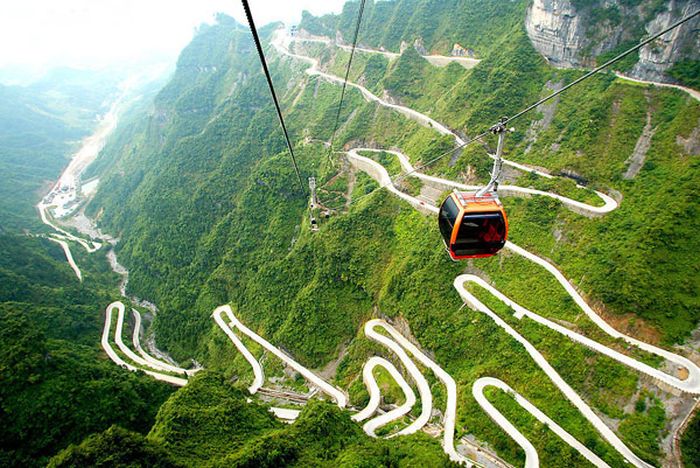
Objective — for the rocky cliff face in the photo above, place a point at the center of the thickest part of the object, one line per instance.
(556, 31)
(683, 42)
(572, 33)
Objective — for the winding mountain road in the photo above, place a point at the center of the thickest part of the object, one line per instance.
(691, 92)
(258, 373)
(90, 246)
(177, 381)
(531, 457)
(690, 385)
(397, 346)
(449, 419)
(560, 383)
(379, 173)
(437, 60)
(149, 360)
(338, 395)
(375, 396)
(609, 204)
(69, 256)
(406, 351)
(281, 43)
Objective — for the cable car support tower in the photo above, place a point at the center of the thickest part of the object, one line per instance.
(313, 203)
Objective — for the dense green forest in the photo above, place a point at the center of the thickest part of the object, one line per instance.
(198, 187)
(209, 423)
(56, 385)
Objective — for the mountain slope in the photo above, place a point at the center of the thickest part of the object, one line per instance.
(205, 204)
(56, 386)
(189, 431)
(40, 126)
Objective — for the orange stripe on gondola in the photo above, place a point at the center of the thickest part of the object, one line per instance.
(470, 205)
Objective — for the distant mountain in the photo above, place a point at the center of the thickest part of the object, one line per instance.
(41, 125)
(35, 142)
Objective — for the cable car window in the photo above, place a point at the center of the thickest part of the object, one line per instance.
(480, 233)
(446, 220)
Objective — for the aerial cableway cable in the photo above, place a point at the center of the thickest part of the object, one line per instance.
(347, 74)
(258, 45)
(507, 120)
(605, 65)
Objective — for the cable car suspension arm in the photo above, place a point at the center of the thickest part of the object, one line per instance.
(500, 130)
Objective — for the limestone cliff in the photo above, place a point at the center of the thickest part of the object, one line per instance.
(683, 42)
(572, 33)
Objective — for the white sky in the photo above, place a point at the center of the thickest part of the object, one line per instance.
(96, 33)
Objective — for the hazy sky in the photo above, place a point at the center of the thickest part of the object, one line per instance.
(94, 33)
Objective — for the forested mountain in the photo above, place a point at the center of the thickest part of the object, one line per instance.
(56, 387)
(34, 144)
(568, 33)
(199, 189)
(210, 423)
(40, 125)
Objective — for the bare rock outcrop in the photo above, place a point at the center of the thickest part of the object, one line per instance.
(569, 37)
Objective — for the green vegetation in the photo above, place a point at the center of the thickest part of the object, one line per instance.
(474, 24)
(606, 134)
(641, 429)
(209, 423)
(687, 72)
(325, 436)
(114, 447)
(690, 443)
(56, 386)
(33, 149)
(208, 419)
(40, 126)
(626, 63)
(201, 193)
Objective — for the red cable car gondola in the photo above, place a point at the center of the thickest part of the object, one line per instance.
(474, 224)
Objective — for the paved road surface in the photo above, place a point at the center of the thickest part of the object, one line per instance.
(150, 360)
(180, 382)
(609, 204)
(258, 373)
(450, 385)
(531, 457)
(281, 43)
(437, 60)
(693, 93)
(375, 396)
(69, 257)
(560, 383)
(398, 347)
(338, 395)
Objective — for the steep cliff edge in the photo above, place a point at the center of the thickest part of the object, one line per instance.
(573, 33)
